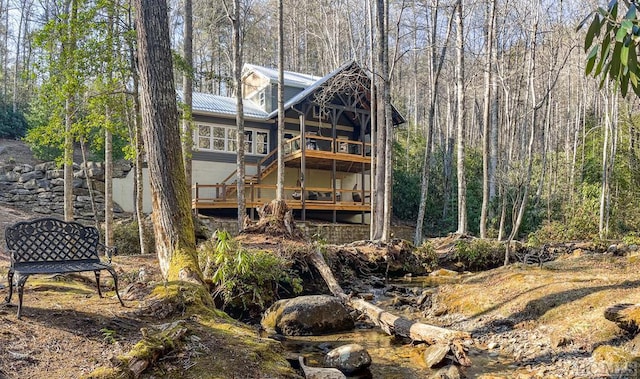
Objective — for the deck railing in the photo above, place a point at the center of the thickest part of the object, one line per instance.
(263, 193)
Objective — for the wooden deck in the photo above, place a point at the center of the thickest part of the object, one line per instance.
(220, 196)
(322, 153)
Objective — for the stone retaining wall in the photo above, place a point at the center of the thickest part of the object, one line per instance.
(40, 188)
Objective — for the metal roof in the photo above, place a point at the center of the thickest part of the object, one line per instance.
(223, 105)
(292, 79)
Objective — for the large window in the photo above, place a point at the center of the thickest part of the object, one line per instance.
(225, 138)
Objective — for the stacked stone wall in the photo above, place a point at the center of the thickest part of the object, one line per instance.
(40, 188)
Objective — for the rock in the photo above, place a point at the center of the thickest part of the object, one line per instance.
(30, 184)
(626, 316)
(28, 176)
(444, 272)
(449, 372)
(614, 358)
(434, 354)
(422, 300)
(11, 176)
(559, 340)
(348, 358)
(55, 174)
(492, 345)
(320, 372)
(308, 315)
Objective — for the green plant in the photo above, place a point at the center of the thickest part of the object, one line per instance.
(631, 238)
(108, 335)
(126, 238)
(245, 279)
(426, 253)
(479, 254)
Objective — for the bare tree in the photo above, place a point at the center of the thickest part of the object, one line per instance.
(460, 97)
(234, 17)
(486, 119)
(280, 174)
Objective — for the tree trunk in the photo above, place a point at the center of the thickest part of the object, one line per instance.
(378, 213)
(531, 64)
(486, 152)
(187, 90)
(436, 69)
(108, 183)
(462, 184)
(172, 221)
(374, 120)
(69, 110)
(281, 115)
(388, 126)
(237, 77)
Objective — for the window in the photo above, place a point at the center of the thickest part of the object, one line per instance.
(218, 138)
(262, 142)
(261, 98)
(223, 138)
(204, 137)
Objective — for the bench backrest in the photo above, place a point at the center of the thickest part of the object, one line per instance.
(50, 240)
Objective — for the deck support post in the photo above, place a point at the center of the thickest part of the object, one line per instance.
(303, 165)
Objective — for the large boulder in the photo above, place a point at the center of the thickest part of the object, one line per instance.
(307, 315)
(348, 358)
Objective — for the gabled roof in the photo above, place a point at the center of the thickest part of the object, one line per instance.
(397, 117)
(226, 106)
(293, 79)
(223, 105)
(311, 88)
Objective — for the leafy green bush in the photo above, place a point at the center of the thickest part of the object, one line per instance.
(126, 238)
(479, 254)
(245, 280)
(12, 124)
(427, 255)
(632, 238)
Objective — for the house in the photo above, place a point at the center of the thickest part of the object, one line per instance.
(327, 151)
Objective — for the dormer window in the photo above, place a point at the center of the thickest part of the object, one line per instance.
(261, 98)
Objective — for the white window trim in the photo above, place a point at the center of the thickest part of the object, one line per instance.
(254, 141)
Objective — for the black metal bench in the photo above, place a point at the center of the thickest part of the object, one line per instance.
(52, 246)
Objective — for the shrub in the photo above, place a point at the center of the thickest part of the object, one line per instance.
(426, 253)
(245, 280)
(479, 254)
(127, 238)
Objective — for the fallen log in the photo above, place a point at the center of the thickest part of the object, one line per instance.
(392, 324)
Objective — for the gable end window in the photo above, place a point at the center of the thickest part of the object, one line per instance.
(224, 139)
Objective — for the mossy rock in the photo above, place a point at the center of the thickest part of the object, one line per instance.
(626, 316)
(616, 360)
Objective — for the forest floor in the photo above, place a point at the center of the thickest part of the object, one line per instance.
(547, 321)
(68, 331)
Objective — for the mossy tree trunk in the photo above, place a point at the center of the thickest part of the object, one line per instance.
(172, 222)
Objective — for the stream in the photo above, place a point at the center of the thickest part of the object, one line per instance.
(393, 358)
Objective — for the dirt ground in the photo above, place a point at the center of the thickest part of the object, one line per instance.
(68, 331)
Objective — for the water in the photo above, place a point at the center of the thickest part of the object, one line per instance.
(393, 358)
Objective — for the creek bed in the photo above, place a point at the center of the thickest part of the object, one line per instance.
(392, 357)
